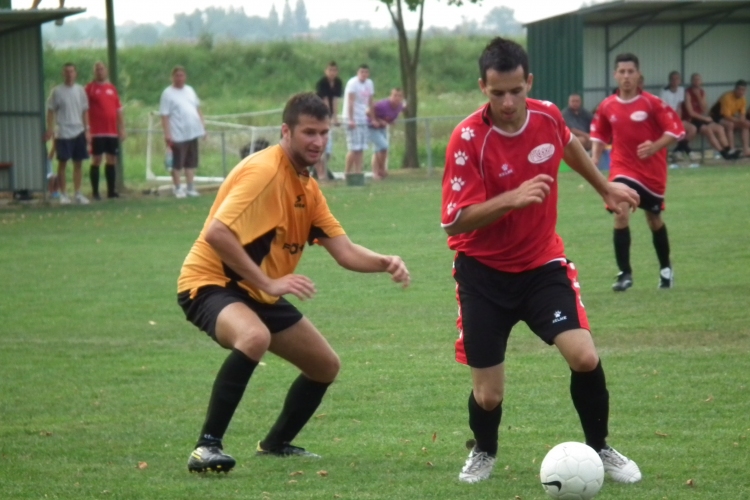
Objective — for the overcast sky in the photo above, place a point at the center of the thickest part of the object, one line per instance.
(320, 12)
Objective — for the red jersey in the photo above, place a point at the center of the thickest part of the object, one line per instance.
(627, 124)
(482, 162)
(695, 96)
(104, 104)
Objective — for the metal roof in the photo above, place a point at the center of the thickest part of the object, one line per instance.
(12, 20)
(633, 12)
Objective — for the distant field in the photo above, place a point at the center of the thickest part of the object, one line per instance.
(104, 384)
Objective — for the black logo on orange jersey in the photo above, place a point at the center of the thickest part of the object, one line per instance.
(293, 248)
(300, 202)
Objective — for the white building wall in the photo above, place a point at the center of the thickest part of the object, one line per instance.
(722, 56)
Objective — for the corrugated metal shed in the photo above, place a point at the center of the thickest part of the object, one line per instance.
(22, 100)
(710, 37)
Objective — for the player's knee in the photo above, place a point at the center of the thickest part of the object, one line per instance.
(488, 399)
(253, 343)
(584, 361)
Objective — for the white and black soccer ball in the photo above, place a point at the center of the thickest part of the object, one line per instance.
(572, 471)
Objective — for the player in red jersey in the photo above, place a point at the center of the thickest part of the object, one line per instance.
(640, 127)
(500, 210)
(107, 129)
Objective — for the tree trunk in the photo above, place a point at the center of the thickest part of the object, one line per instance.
(409, 61)
(411, 151)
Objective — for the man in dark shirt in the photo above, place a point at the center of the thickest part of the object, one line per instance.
(578, 120)
(330, 89)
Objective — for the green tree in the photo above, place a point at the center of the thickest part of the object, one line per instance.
(287, 27)
(409, 62)
(300, 18)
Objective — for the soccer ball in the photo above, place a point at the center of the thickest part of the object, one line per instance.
(572, 471)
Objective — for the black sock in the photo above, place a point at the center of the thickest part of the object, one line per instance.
(227, 392)
(301, 401)
(622, 249)
(591, 400)
(94, 178)
(109, 174)
(485, 425)
(661, 244)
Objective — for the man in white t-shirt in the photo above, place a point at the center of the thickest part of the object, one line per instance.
(357, 107)
(183, 124)
(674, 95)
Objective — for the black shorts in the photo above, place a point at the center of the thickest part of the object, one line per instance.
(105, 145)
(697, 124)
(491, 302)
(204, 309)
(185, 154)
(72, 149)
(650, 202)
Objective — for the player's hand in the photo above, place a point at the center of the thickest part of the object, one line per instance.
(352, 125)
(300, 286)
(646, 149)
(397, 269)
(88, 137)
(168, 141)
(619, 196)
(532, 191)
(49, 134)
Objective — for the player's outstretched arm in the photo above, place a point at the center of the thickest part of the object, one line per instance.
(230, 251)
(357, 258)
(614, 194)
(483, 214)
(649, 148)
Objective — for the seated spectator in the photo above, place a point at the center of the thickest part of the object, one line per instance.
(730, 112)
(695, 110)
(674, 95)
(578, 120)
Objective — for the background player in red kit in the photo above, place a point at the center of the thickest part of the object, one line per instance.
(500, 210)
(640, 126)
(107, 129)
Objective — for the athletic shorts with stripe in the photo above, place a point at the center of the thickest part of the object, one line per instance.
(203, 309)
(491, 302)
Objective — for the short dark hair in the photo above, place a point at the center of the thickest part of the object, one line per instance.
(69, 65)
(627, 57)
(178, 68)
(332, 64)
(304, 103)
(503, 55)
(740, 83)
(363, 66)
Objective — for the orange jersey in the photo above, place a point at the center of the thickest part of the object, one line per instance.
(273, 211)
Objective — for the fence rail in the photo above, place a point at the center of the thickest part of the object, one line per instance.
(220, 149)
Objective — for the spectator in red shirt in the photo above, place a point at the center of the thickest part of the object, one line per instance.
(640, 127)
(500, 210)
(695, 110)
(107, 129)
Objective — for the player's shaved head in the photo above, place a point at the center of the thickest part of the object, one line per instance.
(503, 56)
(305, 103)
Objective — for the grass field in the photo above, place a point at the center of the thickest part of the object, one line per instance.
(104, 385)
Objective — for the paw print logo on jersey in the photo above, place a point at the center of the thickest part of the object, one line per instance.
(461, 158)
(457, 183)
(467, 133)
(451, 208)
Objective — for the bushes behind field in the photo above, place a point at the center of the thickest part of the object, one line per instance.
(270, 72)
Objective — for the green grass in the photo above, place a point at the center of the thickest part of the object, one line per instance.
(99, 370)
